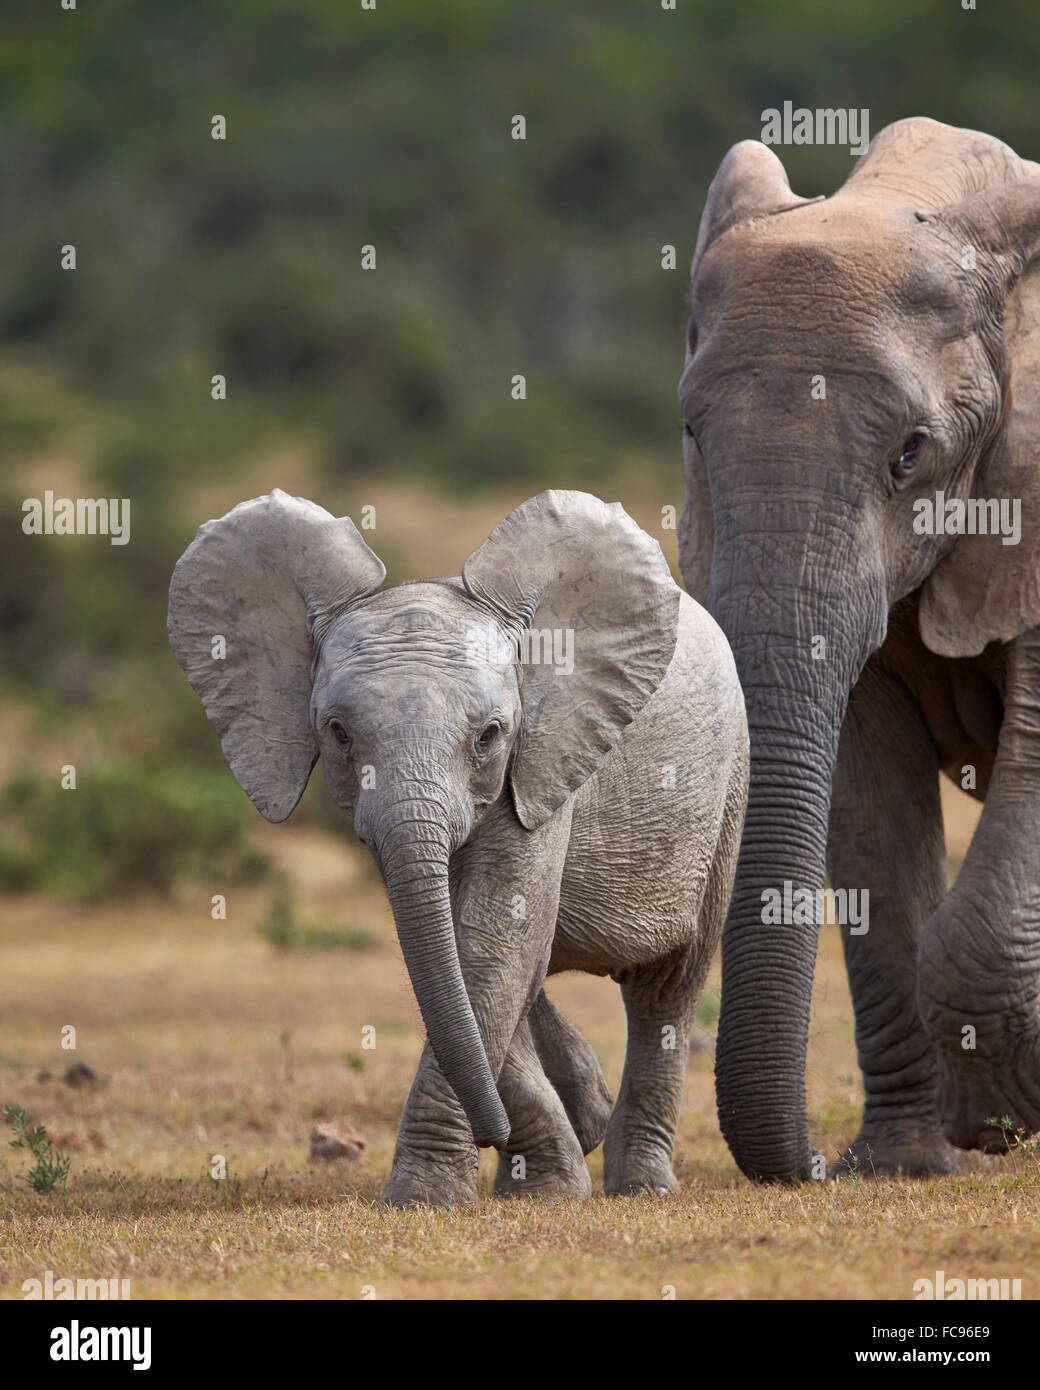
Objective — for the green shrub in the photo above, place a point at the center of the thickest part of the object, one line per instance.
(51, 1167)
(285, 932)
(122, 829)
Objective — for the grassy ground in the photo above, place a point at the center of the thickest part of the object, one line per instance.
(211, 1042)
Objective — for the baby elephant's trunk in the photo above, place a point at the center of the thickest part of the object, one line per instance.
(413, 857)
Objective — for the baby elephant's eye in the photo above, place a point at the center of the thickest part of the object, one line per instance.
(484, 741)
(340, 734)
(905, 463)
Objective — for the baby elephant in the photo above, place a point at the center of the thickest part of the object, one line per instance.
(548, 758)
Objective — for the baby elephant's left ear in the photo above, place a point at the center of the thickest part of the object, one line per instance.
(591, 596)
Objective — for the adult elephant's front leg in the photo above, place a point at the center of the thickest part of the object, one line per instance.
(505, 891)
(979, 959)
(886, 838)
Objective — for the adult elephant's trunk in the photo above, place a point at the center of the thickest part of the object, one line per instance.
(799, 643)
(412, 852)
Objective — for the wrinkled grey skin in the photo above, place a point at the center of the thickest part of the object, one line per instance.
(796, 526)
(525, 820)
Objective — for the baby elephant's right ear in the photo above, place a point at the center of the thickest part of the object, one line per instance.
(249, 599)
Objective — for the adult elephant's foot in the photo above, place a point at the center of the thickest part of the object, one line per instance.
(909, 1156)
(983, 1107)
(983, 1021)
(423, 1182)
(990, 1106)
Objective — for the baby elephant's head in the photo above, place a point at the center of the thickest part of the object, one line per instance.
(424, 700)
(416, 709)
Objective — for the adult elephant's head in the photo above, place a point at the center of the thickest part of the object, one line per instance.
(847, 358)
(424, 699)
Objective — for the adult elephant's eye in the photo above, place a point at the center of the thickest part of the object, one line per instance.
(904, 465)
(484, 741)
(339, 733)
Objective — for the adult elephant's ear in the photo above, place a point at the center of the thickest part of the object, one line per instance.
(984, 590)
(750, 183)
(250, 599)
(569, 566)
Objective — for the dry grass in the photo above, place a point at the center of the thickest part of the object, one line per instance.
(187, 1019)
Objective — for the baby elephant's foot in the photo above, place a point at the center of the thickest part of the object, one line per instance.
(421, 1182)
(629, 1177)
(637, 1159)
(559, 1174)
(910, 1156)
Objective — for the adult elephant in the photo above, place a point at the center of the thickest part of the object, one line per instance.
(848, 358)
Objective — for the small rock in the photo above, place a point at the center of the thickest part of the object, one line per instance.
(328, 1143)
(79, 1074)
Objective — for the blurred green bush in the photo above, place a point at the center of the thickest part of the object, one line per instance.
(124, 829)
(283, 929)
(391, 128)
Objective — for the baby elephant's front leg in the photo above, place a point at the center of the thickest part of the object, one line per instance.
(505, 897)
(544, 1157)
(435, 1159)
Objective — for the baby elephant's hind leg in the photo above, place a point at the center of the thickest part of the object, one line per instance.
(543, 1157)
(571, 1066)
(659, 1000)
